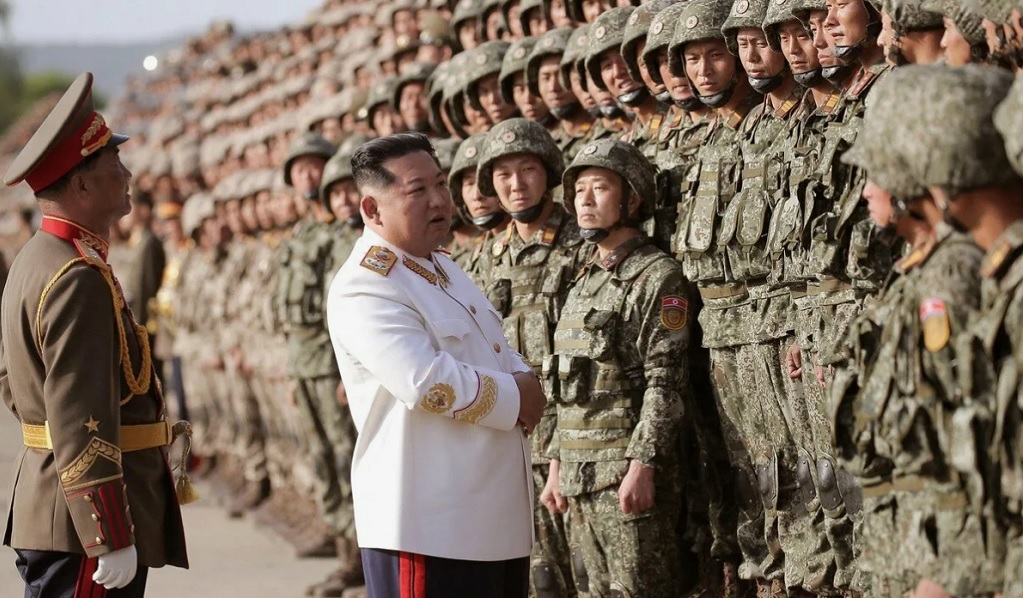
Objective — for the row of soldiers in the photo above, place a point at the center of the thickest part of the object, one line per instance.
(690, 444)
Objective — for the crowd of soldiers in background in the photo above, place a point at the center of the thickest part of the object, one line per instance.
(825, 389)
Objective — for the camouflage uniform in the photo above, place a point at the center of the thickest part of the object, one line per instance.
(619, 380)
(477, 265)
(528, 285)
(555, 43)
(725, 317)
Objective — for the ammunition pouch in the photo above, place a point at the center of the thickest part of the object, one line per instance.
(767, 483)
(582, 578)
(804, 480)
(547, 581)
(827, 479)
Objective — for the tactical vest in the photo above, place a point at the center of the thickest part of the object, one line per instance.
(300, 289)
(675, 152)
(599, 398)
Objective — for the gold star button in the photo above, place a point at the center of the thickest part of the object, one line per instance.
(92, 425)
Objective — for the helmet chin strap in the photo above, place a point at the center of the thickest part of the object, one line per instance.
(765, 85)
(635, 98)
(490, 221)
(530, 215)
(664, 98)
(612, 111)
(690, 104)
(836, 74)
(596, 235)
(808, 78)
(595, 111)
(566, 112)
(721, 98)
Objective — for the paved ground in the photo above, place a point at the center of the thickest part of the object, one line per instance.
(229, 557)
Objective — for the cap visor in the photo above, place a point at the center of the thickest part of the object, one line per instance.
(116, 140)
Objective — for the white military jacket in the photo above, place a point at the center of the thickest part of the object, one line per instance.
(441, 466)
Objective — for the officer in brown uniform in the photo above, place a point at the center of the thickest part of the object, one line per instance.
(93, 503)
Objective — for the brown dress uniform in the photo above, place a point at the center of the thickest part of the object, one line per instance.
(76, 370)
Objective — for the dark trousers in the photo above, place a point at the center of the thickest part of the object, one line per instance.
(63, 575)
(392, 574)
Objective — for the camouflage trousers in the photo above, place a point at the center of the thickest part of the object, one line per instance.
(249, 448)
(331, 434)
(550, 569)
(1013, 587)
(627, 556)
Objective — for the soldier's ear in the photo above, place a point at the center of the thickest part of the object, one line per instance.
(634, 203)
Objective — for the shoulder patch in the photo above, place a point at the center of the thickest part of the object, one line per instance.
(674, 312)
(935, 325)
(379, 260)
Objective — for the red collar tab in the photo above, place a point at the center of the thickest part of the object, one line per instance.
(71, 232)
(93, 135)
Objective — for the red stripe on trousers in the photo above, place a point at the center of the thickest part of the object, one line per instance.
(412, 575)
(85, 587)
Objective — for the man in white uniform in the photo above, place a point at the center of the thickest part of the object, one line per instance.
(441, 473)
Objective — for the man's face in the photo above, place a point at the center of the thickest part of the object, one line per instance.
(549, 82)
(879, 204)
(233, 217)
(616, 75)
(520, 181)
(405, 24)
(797, 47)
(467, 35)
(265, 208)
(306, 173)
(537, 23)
(598, 198)
(249, 218)
(412, 105)
(384, 119)
(489, 91)
(344, 199)
(559, 14)
(957, 49)
(106, 183)
(709, 66)
(514, 21)
(759, 60)
(821, 39)
(531, 107)
(284, 209)
(580, 94)
(593, 8)
(644, 73)
(331, 130)
(414, 212)
(678, 87)
(477, 204)
(479, 122)
(847, 21)
(493, 25)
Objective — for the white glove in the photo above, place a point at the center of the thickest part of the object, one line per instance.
(116, 569)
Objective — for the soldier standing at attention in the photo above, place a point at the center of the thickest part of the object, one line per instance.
(93, 505)
(619, 379)
(485, 213)
(532, 266)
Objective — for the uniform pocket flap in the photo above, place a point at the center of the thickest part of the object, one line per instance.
(450, 328)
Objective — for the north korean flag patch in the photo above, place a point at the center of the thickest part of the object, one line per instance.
(674, 312)
(935, 325)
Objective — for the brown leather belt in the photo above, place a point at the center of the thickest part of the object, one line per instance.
(724, 292)
(827, 286)
(133, 438)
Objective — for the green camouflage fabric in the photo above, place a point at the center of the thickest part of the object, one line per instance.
(901, 425)
(337, 169)
(486, 62)
(1009, 122)
(620, 158)
(528, 283)
(662, 30)
(996, 11)
(996, 340)
(307, 144)
(435, 94)
(620, 385)
(973, 155)
(552, 43)
(574, 56)
(466, 10)
(451, 99)
(968, 23)
(606, 33)
(515, 61)
(744, 14)
(909, 15)
(636, 29)
(415, 72)
(802, 8)
(519, 136)
(445, 150)
(701, 19)
(778, 12)
(382, 93)
(467, 157)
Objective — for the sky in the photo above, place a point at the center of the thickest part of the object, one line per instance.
(113, 21)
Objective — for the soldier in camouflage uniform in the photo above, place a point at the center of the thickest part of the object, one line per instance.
(306, 264)
(515, 89)
(534, 21)
(619, 381)
(485, 213)
(963, 41)
(465, 22)
(464, 111)
(482, 87)
(909, 33)
(409, 99)
(902, 422)
(532, 265)
(725, 317)
(379, 110)
(608, 71)
(543, 74)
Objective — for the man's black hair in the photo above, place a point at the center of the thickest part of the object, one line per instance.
(368, 161)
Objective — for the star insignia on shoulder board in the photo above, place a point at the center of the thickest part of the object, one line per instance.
(92, 425)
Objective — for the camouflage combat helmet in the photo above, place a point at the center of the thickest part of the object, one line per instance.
(455, 88)
(519, 136)
(909, 15)
(606, 33)
(527, 7)
(466, 11)
(700, 20)
(489, 8)
(416, 72)
(486, 61)
(381, 94)
(969, 24)
(743, 14)
(637, 29)
(435, 30)
(515, 62)
(307, 144)
(662, 30)
(996, 11)
(435, 94)
(467, 157)
(552, 43)
(950, 138)
(575, 56)
(445, 150)
(337, 169)
(1009, 122)
(625, 160)
(801, 9)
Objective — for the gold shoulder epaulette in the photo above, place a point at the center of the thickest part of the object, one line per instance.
(910, 261)
(379, 260)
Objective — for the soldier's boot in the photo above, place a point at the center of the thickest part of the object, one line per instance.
(774, 588)
(348, 575)
(251, 497)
